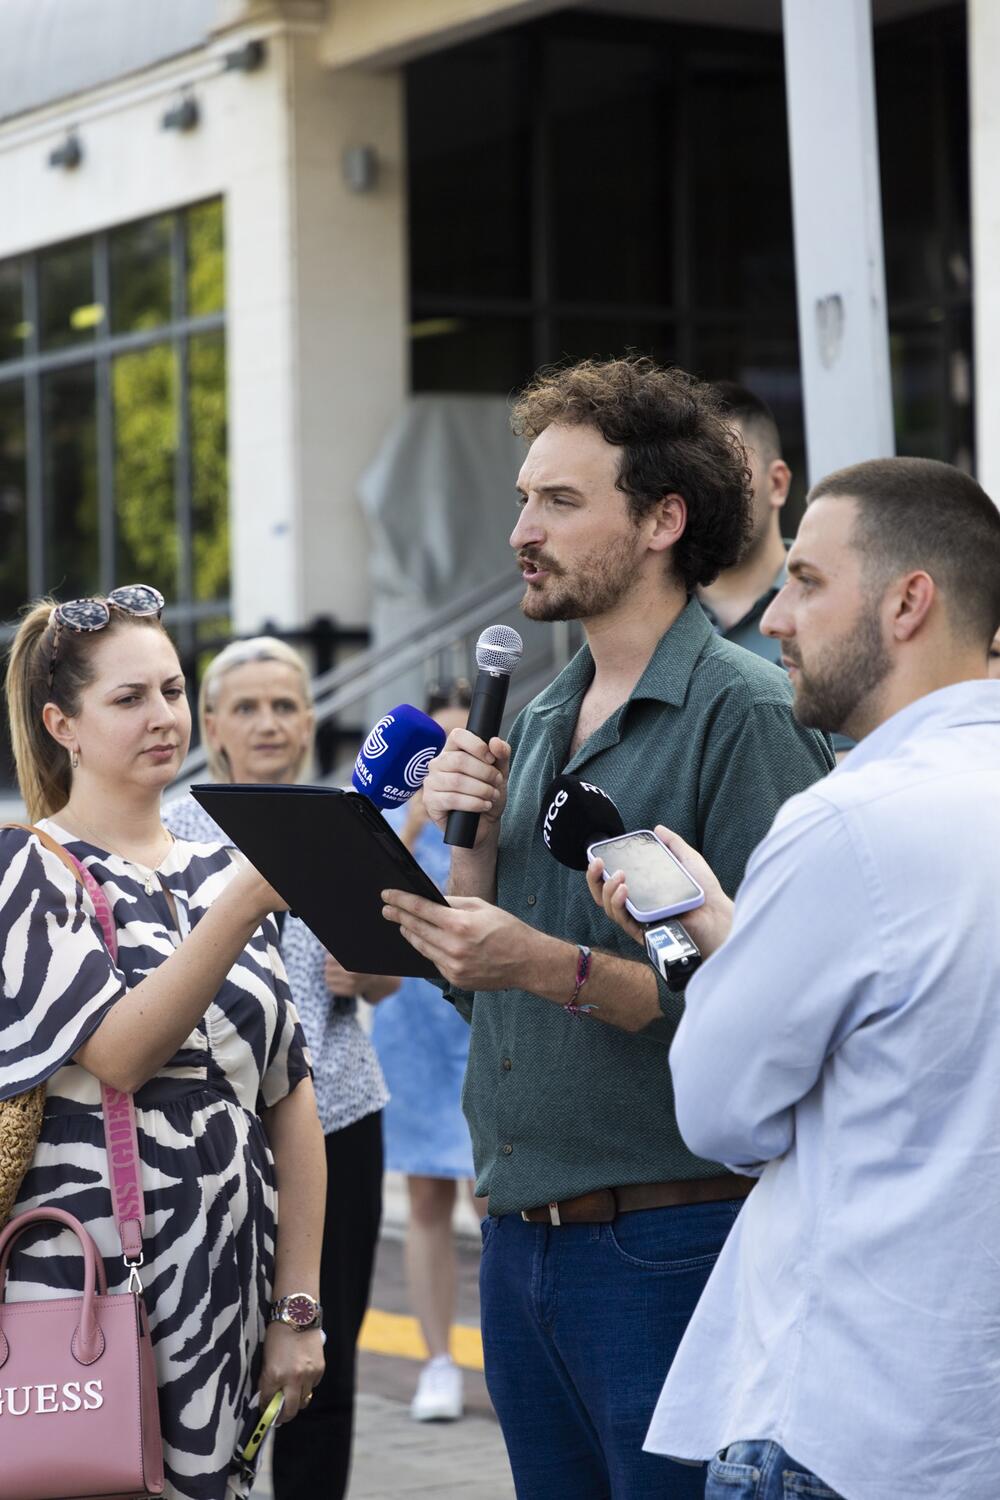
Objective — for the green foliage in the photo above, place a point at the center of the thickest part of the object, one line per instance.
(145, 403)
(210, 466)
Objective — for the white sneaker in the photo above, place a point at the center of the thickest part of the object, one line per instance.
(439, 1392)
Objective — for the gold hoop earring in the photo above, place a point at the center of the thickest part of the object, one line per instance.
(74, 760)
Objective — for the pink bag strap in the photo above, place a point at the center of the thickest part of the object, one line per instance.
(121, 1138)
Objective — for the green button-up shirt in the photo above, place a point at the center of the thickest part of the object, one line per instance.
(705, 744)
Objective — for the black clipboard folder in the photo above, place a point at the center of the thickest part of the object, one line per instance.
(330, 854)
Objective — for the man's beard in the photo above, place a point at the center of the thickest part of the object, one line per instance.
(597, 584)
(845, 673)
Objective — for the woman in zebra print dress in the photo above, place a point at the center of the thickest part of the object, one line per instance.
(195, 1019)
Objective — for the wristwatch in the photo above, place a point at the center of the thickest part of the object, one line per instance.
(672, 953)
(298, 1310)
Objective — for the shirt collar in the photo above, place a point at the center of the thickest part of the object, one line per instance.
(947, 708)
(667, 673)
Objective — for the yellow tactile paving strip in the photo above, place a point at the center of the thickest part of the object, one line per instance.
(398, 1335)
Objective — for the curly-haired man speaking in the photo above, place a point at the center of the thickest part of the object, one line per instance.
(602, 1226)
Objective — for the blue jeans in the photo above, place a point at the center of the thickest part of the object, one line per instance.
(580, 1324)
(762, 1471)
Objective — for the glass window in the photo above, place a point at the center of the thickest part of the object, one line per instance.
(70, 487)
(612, 169)
(469, 152)
(921, 89)
(13, 329)
(209, 465)
(918, 392)
(471, 354)
(592, 338)
(13, 500)
(69, 313)
(741, 247)
(206, 291)
(765, 358)
(141, 274)
(144, 386)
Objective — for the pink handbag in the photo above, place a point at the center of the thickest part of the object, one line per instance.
(78, 1404)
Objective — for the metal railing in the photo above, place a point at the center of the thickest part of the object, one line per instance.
(440, 645)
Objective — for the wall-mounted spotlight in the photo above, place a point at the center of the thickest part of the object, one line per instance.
(68, 155)
(182, 116)
(246, 59)
(360, 164)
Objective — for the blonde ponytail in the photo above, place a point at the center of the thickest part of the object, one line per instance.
(43, 771)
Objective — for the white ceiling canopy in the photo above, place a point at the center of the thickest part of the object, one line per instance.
(52, 49)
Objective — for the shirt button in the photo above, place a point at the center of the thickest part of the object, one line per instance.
(508, 1150)
(507, 1064)
(532, 900)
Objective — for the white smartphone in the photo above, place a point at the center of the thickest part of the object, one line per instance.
(658, 884)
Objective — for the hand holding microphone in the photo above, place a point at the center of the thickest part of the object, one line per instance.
(466, 787)
(574, 817)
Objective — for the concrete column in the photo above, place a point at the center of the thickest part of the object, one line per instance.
(265, 541)
(317, 316)
(984, 131)
(350, 316)
(839, 260)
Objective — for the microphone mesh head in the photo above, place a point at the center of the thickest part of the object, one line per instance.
(499, 649)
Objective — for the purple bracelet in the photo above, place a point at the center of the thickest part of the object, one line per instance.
(582, 975)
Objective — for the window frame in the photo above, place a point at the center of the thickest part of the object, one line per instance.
(35, 363)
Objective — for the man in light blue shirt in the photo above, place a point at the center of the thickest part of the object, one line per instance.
(843, 1041)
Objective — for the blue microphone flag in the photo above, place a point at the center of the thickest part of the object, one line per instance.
(393, 760)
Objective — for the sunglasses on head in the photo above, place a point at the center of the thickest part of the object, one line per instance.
(82, 616)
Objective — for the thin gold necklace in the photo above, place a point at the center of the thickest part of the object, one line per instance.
(149, 873)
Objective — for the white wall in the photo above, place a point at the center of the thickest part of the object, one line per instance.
(315, 292)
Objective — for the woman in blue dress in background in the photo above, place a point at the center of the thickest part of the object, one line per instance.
(423, 1046)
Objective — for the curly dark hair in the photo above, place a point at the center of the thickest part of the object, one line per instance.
(674, 438)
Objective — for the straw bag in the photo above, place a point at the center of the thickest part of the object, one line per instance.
(20, 1127)
(79, 1415)
(21, 1116)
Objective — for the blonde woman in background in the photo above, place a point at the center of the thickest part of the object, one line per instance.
(194, 1018)
(423, 1046)
(257, 725)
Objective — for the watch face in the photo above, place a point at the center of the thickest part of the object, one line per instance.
(300, 1310)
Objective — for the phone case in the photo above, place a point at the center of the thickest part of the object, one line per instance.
(260, 1432)
(673, 910)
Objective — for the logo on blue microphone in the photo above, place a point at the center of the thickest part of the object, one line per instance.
(417, 767)
(376, 745)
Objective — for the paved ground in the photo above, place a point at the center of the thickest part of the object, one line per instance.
(394, 1457)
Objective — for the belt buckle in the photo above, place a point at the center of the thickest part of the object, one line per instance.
(553, 1211)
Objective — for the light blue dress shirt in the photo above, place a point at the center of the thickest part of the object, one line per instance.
(845, 1045)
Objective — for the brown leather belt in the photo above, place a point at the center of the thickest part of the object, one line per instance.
(604, 1204)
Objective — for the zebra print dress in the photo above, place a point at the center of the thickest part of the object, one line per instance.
(208, 1172)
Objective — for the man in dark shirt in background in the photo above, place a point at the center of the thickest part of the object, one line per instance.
(602, 1226)
(737, 599)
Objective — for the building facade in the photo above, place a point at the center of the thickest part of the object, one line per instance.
(238, 236)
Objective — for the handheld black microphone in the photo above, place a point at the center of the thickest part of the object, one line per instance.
(498, 652)
(575, 814)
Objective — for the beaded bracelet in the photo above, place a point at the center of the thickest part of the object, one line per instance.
(582, 975)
